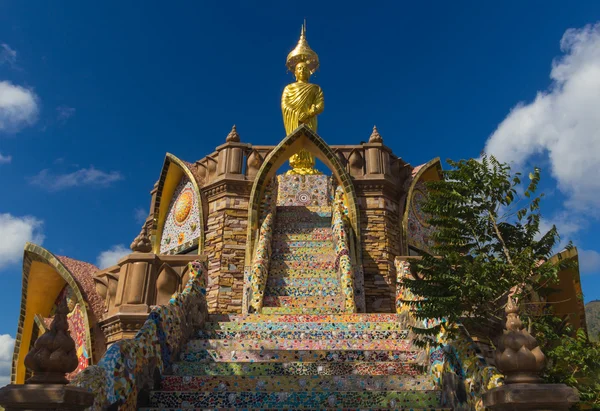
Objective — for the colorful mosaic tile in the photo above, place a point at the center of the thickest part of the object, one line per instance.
(296, 368)
(309, 383)
(182, 225)
(225, 355)
(129, 364)
(295, 400)
(298, 190)
(419, 231)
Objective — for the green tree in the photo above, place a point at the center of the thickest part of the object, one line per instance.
(572, 358)
(485, 241)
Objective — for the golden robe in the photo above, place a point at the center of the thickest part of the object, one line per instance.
(299, 98)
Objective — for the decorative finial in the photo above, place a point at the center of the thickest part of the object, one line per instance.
(375, 136)
(54, 353)
(518, 356)
(142, 243)
(233, 136)
(303, 53)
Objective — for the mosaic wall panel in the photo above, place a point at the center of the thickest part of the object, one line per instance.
(182, 225)
(419, 231)
(304, 191)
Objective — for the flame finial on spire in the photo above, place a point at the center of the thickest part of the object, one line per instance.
(233, 136)
(375, 136)
(303, 53)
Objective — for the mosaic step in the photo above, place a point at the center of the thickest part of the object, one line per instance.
(281, 281)
(307, 326)
(301, 319)
(303, 291)
(296, 400)
(302, 301)
(284, 216)
(302, 335)
(314, 234)
(302, 247)
(295, 344)
(295, 270)
(310, 210)
(299, 383)
(223, 355)
(300, 265)
(296, 368)
(300, 227)
(305, 257)
(305, 409)
(301, 310)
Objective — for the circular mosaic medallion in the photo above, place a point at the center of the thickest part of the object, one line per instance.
(303, 198)
(417, 201)
(183, 206)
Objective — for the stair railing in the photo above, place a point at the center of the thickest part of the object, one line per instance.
(257, 277)
(343, 262)
(456, 366)
(132, 367)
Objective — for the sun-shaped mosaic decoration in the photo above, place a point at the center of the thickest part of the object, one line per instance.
(418, 200)
(183, 206)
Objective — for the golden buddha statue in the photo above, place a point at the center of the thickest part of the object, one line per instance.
(302, 101)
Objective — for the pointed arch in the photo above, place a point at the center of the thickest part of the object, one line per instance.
(172, 172)
(44, 277)
(301, 138)
(430, 171)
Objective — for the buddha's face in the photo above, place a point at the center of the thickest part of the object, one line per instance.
(302, 72)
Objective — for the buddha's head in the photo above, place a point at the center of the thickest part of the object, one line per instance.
(302, 72)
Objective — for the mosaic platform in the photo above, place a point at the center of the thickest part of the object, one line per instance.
(328, 361)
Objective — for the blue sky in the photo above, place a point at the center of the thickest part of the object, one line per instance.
(92, 95)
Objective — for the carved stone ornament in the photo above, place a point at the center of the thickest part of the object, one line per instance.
(375, 136)
(518, 355)
(142, 243)
(233, 136)
(54, 353)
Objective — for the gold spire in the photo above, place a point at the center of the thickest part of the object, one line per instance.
(303, 53)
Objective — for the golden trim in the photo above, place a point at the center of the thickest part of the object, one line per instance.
(34, 253)
(166, 187)
(409, 197)
(302, 137)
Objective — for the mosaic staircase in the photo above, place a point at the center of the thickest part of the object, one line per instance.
(335, 361)
(302, 275)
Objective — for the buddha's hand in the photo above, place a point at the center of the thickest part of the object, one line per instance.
(304, 117)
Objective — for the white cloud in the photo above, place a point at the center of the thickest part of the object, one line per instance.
(589, 261)
(7, 344)
(82, 177)
(7, 55)
(111, 256)
(15, 232)
(5, 159)
(18, 107)
(562, 122)
(63, 113)
(140, 215)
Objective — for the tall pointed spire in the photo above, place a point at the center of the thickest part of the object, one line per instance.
(303, 53)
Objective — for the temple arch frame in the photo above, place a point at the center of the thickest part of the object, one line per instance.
(172, 172)
(40, 264)
(301, 138)
(432, 168)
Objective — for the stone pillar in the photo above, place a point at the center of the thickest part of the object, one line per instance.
(520, 359)
(225, 244)
(53, 356)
